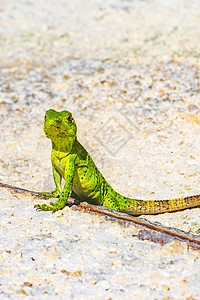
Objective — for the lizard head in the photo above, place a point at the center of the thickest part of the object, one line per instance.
(59, 125)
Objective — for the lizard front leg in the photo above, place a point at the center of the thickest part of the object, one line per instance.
(66, 192)
(57, 179)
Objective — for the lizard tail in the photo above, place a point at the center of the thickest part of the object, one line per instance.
(150, 207)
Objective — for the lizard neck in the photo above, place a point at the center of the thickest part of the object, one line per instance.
(63, 146)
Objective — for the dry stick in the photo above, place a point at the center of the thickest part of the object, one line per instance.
(178, 234)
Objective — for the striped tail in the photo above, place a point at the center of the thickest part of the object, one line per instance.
(151, 207)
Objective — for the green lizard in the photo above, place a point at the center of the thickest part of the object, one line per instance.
(71, 161)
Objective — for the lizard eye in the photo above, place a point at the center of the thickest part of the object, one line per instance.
(69, 119)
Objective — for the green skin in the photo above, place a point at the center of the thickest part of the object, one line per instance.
(71, 161)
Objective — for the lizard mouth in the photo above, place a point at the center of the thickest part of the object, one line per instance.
(54, 131)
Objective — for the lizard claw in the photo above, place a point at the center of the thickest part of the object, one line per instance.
(45, 195)
(37, 206)
(43, 207)
(53, 194)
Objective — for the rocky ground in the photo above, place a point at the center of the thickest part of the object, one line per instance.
(129, 73)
